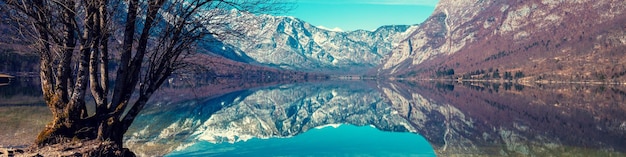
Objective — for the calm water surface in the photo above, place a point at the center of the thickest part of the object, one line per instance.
(343, 140)
(376, 118)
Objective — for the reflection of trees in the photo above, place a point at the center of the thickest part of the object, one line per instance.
(20, 88)
(493, 119)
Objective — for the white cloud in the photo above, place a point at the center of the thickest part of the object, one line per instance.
(380, 2)
(336, 29)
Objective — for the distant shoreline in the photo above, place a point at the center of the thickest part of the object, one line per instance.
(5, 76)
(516, 81)
(5, 79)
(19, 74)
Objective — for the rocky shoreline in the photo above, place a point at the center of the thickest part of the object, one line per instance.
(10, 151)
(92, 148)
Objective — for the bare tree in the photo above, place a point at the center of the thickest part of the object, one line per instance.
(137, 44)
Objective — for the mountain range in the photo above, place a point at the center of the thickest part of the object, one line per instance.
(534, 40)
(537, 39)
(290, 43)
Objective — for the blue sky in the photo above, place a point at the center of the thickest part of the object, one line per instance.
(349, 15)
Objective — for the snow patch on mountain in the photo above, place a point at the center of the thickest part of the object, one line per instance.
(336, 29)
(290, 43)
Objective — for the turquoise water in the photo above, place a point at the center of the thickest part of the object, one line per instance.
(345, 140)
(594, 123)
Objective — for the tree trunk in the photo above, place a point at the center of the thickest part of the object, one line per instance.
(61, 130)
(73, 39)
(107, 132)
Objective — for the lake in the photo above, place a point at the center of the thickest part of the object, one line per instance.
(360, 118)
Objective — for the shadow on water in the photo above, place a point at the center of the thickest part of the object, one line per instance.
(21, 91)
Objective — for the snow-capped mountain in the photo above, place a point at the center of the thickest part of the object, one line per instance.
(544, 39)
(291, 43)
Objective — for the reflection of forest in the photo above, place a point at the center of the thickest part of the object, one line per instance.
(483, 118)
(21, 91)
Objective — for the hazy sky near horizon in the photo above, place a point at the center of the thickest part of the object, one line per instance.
(349, 15)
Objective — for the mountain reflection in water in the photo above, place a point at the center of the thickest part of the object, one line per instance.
(493, 119)
(277, 111)
(336, 140)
